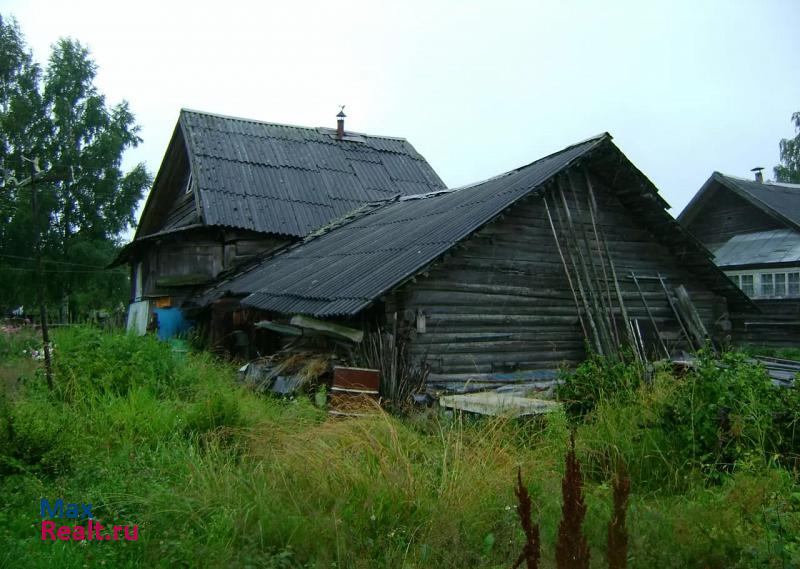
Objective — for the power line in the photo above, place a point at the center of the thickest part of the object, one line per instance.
(61, 271)
(54, 262)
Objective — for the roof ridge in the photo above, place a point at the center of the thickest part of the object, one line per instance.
(755, 199)
(596, 138)
(775, 183)
(297, 126)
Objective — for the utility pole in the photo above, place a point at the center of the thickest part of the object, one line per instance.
(40, 292)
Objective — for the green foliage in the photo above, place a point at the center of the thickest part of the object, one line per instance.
(789, 353)
(723, 413)
(16, 345)
(34, 435)
(596, 379)
(146, 437)
(789, 169)
(93, 363)
(85, 199)
(214, 411)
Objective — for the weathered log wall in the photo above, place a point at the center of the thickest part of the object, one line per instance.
(176, 264)
(501, 301)
(777, 326)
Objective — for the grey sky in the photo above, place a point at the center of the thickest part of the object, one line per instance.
(477, 87)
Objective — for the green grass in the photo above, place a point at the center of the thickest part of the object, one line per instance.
(217, 476)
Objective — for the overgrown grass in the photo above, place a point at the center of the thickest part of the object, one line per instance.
(216, 476)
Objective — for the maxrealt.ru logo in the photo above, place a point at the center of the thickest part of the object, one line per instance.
(92, 530)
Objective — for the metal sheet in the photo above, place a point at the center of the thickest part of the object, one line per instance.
(245, 167)
(346, 268)
(493, 403)
(762, 247)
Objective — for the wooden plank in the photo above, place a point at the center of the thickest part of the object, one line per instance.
(650, 316)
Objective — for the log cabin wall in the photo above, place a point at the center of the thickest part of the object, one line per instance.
(777, 326)
(176, 265)
(502, 302)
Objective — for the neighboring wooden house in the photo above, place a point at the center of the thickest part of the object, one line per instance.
(229, 189)
(476, 278)
(753, 229)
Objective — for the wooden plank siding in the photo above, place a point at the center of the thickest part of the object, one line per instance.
(501, 300)
(205, 253)
(777, 326)
(729, 216)
(183, 212)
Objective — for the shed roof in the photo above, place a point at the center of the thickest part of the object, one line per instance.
(346, 266)
(779, 200)
(761, 247)
(290, 180)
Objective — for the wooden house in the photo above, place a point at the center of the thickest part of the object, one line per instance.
(513, 273)
(753, 229)
(229, 189)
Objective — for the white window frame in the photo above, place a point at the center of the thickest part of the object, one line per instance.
(762, 276)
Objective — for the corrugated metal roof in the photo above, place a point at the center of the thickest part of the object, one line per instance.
(344, 268)
(782, 199)
(762, 247)
(292, 180)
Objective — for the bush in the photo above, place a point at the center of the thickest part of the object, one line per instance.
(89, 361)
(35, 433)
(723, 413)
(598, 379)
(214, 411)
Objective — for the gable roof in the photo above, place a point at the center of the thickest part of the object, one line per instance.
(761, 247)
(288, 180)
(350, 264)
(778, 200)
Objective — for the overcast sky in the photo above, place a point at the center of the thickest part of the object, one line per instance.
(478, 87)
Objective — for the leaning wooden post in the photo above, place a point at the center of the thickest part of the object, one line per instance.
(650, 314)
(37, 245)
(605, 315)
(566, 269)
(604, 347)
(592, 206)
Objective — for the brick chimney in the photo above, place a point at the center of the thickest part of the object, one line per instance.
(340, 124)
(759, 175)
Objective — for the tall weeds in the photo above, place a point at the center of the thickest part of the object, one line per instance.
(572, 551)
(218, 476)
(532, 548)
(617, 532)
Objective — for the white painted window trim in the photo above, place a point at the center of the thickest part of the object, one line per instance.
(756, 274)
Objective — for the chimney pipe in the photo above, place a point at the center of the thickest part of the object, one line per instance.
(759, 175)
(340, 124)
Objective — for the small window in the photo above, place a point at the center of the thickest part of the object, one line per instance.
(767, 284)
(746, 284)
(780, 284)
(793, 284)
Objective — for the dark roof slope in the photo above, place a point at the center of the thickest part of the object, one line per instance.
(346, 266)
(291, 180)
(781, 201)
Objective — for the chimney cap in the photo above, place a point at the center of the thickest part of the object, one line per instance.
(758, 174)
(341, 114)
